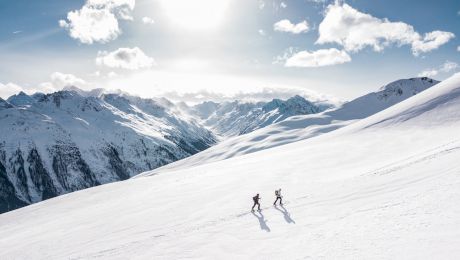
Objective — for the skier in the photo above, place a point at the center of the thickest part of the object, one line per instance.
(256, 202)
(278, 197)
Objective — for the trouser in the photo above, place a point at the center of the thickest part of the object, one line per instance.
(256, 203)
(278, 198)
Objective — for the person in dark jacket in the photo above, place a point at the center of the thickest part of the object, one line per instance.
(256, 202)
(278, 197)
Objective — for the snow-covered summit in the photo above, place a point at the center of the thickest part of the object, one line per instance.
(414, 85)
(296, 105)
(21, 99)
(97, 92)
(387, 96)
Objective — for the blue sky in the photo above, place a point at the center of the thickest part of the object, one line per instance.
(194, 48)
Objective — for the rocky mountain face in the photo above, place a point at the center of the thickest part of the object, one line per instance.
(65, 141)
(237, 118)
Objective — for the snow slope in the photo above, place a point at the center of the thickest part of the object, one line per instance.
(386, 187)
(301, 127)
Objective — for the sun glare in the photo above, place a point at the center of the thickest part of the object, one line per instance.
(197, 14)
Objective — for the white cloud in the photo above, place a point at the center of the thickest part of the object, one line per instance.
(148, 20)
(355, 30)
(262, 32)
(286, 26)
(97, 20)
(458, 48)
(319, 58)
(428, 73)
(125, 58)
(61, 80)
(431, 41)
(283, 5)
(9, 89)
(446, 67)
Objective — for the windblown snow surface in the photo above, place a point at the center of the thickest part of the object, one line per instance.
(386, 187)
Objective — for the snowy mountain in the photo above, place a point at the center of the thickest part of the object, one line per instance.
(384, 187)
(298, 128)
(22, 99)
(4, 104)
(238, 118)
(68, 140)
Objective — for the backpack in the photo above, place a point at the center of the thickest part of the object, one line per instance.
(255, 198)
(277, 193)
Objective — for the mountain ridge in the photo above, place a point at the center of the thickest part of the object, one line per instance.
(300, 127)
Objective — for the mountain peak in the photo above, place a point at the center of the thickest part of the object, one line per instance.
(21, 99)
(420, 82)
(4, 104)
(295, 105)
(405, 87)
(97, 92)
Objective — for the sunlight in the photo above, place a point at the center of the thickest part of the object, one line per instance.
(197, 14)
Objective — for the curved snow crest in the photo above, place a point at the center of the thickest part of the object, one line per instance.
(301, 127)
(438, 105)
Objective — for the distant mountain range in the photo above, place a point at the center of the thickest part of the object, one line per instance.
(237, 118)
(299, 127)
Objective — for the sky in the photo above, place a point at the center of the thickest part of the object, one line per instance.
(194, 50)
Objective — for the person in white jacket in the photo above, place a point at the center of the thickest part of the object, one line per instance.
(278, 197)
